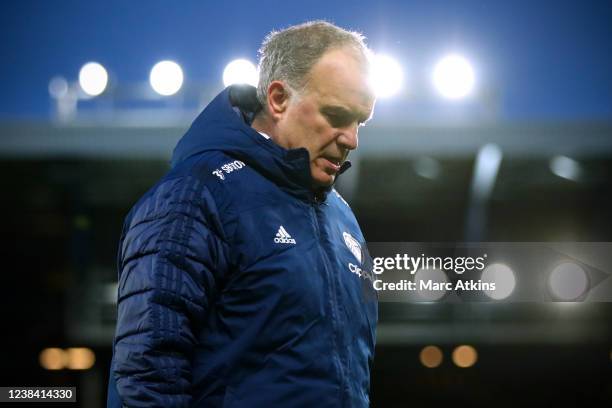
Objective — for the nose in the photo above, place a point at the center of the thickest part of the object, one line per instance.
(348, 137)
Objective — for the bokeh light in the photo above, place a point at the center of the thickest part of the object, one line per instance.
(80, 358)
(166, 78)
(427, 167)
(568, 281)
(454, 77)
(504, 279)
(386, 77)
(58, 87)
(53, 358)
(93, 78)
(436, 276)
(240, 71)
(565, 167)
(465, 356)
(431, 356)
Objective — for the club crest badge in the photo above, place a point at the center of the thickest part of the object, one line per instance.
(352, 245)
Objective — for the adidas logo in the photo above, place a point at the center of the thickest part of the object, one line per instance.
(283, 237)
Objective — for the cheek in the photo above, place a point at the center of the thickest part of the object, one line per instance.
(305, 115)
(312, 121)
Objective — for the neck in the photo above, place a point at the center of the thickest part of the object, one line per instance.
(262, 123)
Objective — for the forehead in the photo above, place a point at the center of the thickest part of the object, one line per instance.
(340, 77)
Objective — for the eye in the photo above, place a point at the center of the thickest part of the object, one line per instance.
(338, 120)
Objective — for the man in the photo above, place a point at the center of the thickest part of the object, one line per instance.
(241, 272)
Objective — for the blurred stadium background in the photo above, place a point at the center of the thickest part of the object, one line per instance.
(508, 140)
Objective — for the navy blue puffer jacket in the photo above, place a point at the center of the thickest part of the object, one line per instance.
(238, 287)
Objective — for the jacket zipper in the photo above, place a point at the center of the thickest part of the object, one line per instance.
(334, 303)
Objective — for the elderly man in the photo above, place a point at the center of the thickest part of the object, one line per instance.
(242, 277)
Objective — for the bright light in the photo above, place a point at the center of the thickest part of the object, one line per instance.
(436, 277)
(240, 71)
(453, 77)
(386, 77)
(431, 356)
(166, 78)
(53, 358)
(80, 358)
(465, 356)
(488, 160)
(565, 167)
(568, 281)
(504, 280)
(93, 78)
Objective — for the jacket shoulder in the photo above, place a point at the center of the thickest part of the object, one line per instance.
(337, 199)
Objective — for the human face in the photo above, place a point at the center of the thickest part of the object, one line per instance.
(325, 117)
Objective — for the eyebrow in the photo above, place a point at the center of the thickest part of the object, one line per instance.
(342, 111)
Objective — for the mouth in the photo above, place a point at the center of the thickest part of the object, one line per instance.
(332, 164)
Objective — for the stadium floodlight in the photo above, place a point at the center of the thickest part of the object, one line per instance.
(386, 76)
(93, 78)
(568, 281)
(240, 71)
(504, 279)
(166, 78)
(453, 77)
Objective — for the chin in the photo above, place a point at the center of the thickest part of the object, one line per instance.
(320, 178)
(323, 181)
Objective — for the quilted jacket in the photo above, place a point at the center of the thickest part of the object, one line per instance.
(238, 285)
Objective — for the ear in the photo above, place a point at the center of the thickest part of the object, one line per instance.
(278, 99)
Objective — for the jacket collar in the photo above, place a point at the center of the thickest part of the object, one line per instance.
(224, 125)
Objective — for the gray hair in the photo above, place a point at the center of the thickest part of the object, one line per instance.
(289, 54)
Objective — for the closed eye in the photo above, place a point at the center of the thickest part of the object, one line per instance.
(340, 117)
(338, 121)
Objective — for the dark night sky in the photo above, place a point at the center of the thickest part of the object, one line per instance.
(547, 59)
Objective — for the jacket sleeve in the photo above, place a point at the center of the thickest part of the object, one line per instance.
(169, 258)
